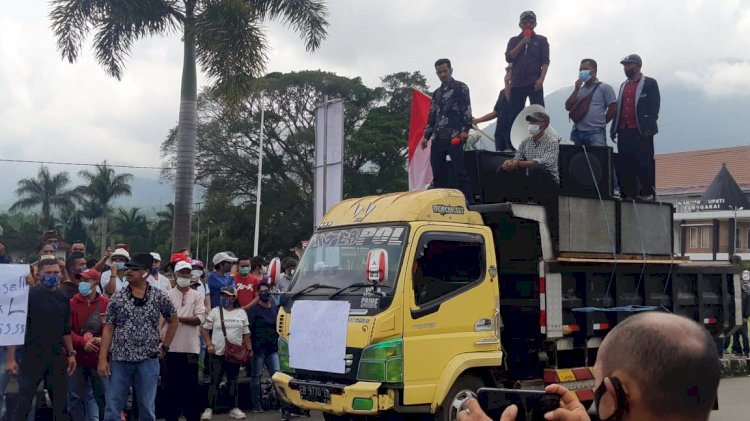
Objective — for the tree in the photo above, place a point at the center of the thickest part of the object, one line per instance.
(103, 187)
(132, 227)
(226, 37)
(46, 190)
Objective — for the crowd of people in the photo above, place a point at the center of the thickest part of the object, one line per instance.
(105, 332)
(591, 106)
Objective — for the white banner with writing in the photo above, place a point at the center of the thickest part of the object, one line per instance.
(14, 297)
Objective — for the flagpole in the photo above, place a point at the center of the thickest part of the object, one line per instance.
(260, 176)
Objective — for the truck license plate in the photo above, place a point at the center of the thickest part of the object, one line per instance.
(314, 393)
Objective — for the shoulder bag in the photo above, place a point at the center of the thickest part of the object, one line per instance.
(235, 354)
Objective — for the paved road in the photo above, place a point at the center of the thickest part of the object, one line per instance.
(734, 404)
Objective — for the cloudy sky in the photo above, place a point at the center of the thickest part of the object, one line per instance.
(53, 110)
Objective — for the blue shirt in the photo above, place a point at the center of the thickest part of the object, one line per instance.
(216, 282)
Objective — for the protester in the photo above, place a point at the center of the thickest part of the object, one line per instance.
(113, 280)
(285, 280)
(228, 323)
(249, 274)
(262, 320)
(650, 382)
(740, 344)
(595, 102)
(634, 128)
(156, 279)
(4, 259)
(181, 379)
(502, 113)
(78, 247)
(528, 52)
(538, 156)
(131, 337)
(75, 264)
(87, 387)
(46, 343)
(220, 276)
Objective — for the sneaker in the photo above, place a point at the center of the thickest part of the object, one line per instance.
(236, 414)
(208, 413)
(645, 197)
(257, 410)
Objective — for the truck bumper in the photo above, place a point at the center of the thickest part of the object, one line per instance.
(342, 399)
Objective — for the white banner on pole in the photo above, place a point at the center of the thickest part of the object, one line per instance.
(14, 297)
(329, 156)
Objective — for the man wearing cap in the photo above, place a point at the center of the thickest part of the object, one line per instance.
(156, 279)
(130, 347)
(181, 379)
(221, 276)
(528, 52)
(634, 128)
(87, 308)
(113, 280)
(448, 128)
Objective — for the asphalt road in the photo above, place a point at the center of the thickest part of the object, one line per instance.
(734, 404)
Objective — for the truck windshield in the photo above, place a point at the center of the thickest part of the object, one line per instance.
(338, 258)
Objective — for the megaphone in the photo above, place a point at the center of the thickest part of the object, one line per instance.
(519, 131)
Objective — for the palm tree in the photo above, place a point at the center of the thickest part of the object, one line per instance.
(162, 227)
(133, 227)
(46, 190)
(103, 187)
(226, 37)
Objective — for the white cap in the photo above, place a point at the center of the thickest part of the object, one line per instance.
(182, 265)
(156, 256)
(223, 257)
(120, 252)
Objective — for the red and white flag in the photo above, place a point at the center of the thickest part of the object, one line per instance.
(420, 171)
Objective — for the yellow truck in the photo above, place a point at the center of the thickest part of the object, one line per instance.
(441, 298)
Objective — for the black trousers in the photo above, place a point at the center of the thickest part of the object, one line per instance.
(220, 367)
(636, 169)
(502, 133)
(35, 365)
(449, 174)
(518, 97)
(181, 386)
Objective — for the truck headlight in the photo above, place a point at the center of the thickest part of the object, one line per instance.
(383, 362)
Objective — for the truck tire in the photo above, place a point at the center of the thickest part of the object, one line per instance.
(332, 417)
(469, 382)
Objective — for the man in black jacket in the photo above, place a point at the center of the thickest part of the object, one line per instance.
(634, 128)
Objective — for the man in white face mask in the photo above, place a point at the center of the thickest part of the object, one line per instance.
(181, 380)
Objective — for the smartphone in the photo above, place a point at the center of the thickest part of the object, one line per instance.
(532, 404)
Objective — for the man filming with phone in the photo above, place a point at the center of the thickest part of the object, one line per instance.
(668, 372)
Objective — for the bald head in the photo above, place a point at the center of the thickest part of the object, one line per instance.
(672, 359)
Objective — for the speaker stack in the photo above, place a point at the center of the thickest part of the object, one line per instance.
(582, 171)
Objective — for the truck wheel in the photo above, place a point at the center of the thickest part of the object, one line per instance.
(332, 417)
(466, 382)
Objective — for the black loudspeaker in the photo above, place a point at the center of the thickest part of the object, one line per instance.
(581, 172)
(489, 185)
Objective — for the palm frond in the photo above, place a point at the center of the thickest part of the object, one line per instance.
(309, 18)
(71, 22)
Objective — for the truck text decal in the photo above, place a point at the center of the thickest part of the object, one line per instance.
(374, 236)
(448, 210)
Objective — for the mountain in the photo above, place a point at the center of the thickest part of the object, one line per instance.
(688, 120)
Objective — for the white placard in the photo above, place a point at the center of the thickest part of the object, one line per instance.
(14, 298)
(317, 335)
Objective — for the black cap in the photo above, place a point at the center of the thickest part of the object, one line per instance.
(528, 15)
(538, 117)
(633, 58)
(141, 261)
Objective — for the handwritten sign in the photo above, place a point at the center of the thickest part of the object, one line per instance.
(317, 337)
(14, 297)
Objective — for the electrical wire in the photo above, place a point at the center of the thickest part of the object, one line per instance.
(23, 161)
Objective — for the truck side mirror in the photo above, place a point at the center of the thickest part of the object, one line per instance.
(377, 265)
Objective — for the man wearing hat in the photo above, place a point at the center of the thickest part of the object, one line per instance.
(87, 308)
(113, 280)
(181, 379)
(130, 347)
(156, 279)
(528, 52)
(221, 276)
(634, 128)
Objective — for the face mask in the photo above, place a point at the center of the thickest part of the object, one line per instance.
(154, 271)
(120, 266)
(196, 273)
(584, 75)
(629, 73)
(84, 288)
(226, 268)
(82, 269)
(55, 246)
(184, 282)
(622, 400)
(265, 295)
(244, 271)
(289, 276)
(226, 302)
(533, 129)
(49, 280)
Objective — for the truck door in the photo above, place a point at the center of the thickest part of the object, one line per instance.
(452, 302)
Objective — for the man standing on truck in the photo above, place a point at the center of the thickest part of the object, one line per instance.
(528, 52)
(649, 382)
(448, 127)
(501, 112)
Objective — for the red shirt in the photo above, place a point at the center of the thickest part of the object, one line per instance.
(246, 287)
(80, 310)
(628, 119)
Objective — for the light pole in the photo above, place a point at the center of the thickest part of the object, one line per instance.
(260, 177)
